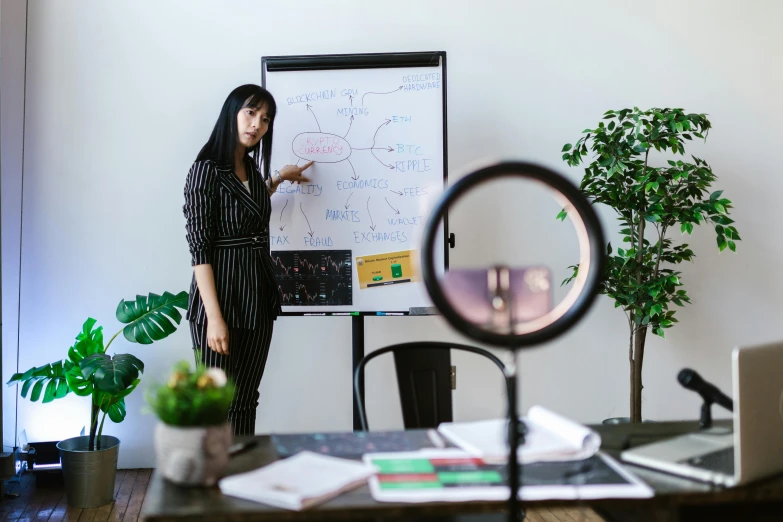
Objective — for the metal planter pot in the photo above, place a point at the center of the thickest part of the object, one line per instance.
(89, 475)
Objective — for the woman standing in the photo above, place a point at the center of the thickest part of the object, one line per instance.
(234, 299)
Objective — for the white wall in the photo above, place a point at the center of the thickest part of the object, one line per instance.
(119, 100)
(12, 62)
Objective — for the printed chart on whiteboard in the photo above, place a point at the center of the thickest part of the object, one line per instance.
(348, 240)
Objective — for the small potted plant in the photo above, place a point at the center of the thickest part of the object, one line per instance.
(193, 436)
(89, 462)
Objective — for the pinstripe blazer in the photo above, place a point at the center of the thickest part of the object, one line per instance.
(217, 205)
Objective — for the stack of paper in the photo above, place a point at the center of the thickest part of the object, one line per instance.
(549, 437)
(299, 482)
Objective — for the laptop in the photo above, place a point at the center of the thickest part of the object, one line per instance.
(753, 449)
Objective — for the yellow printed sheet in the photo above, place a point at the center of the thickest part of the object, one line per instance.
(380, 270)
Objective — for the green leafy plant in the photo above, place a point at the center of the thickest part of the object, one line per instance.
(191, 398)
(89, 371)
(651, 202)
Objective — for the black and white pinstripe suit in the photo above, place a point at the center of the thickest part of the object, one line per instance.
(228, 228)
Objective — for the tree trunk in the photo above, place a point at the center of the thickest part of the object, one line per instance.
(637, 359)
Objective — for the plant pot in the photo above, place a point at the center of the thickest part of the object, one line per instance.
(192, 456)
(89, 475)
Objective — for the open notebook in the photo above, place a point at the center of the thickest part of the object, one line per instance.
(549, 437)
(298, 482)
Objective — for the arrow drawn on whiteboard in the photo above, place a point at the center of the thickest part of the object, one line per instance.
(366, 93)
(400, 193)
(282, 226)
(387, 148)
(310, 108)
(354, 177)
(346, 201)
(350, 97)
(308, 221)
(394, 209)
(372, 226)
(349, 128)
(373, 144)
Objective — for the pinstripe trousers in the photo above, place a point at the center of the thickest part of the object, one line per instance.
(247, 354)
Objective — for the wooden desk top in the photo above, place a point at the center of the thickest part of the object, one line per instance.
(166, 502)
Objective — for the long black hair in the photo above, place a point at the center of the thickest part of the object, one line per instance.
(222, 143)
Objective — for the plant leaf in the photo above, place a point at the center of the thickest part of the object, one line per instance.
(37, 388)
(117, 411)
(88, 342)
(111, 374)
(150, 318)
(52, 376)
(113, 405)
(51, 387)
(77, 382)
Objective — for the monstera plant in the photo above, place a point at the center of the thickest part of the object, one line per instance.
(90, 371)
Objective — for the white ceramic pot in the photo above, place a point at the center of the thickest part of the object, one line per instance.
(192, 456)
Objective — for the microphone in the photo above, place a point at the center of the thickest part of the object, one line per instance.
(709, 392)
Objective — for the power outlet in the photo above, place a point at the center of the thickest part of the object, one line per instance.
(453, 377)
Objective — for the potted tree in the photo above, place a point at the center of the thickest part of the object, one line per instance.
(652, 200)
(89, 462)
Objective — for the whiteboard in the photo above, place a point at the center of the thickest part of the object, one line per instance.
(348, 240)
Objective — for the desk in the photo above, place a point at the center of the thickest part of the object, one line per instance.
(676, 499)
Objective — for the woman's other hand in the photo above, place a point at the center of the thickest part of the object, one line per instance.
(217, 336)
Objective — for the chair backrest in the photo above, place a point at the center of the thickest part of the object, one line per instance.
(423, 381)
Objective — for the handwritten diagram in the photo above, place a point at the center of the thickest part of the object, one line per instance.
(376, 142)
(323, 147)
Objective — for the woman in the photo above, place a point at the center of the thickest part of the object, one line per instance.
(234, 299)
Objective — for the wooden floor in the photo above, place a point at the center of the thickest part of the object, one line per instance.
(47, 503)
(584, 514)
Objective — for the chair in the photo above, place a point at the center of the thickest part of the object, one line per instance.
(423, 380)
(424, 385)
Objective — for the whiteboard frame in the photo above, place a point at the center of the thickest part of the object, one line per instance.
(315, 62)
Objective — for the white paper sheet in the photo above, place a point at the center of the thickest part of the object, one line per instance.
(550, 437)
(298, 482)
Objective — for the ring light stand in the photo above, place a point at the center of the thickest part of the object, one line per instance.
(502, 331)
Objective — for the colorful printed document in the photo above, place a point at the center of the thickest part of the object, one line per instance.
(448, 476)
(385, 269)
